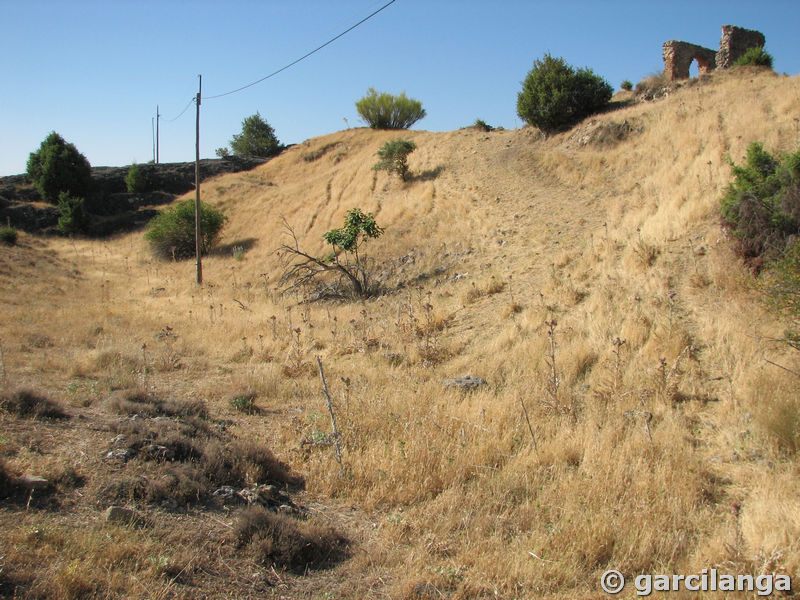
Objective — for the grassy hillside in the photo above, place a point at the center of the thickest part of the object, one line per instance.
(584, 277)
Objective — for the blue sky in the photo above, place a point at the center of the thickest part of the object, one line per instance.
(94, 71)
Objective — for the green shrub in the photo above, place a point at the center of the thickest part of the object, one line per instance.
(381, 110)
(73, 217)
(172, 233)
(244, 403)
(135, 180)
(755, 57)
(761, 206)
(394, 157)
(627, 85)
(256, 139)
(57, 167)
(8, 235)
(482, 125)
(554, 94)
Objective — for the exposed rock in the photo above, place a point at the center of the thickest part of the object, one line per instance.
(124, 516)
(158, 452)
(467, 382)
(33, 482)
(121, 454)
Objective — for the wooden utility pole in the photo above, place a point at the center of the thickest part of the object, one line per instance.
(157, 119)
(197, 190)
(153, 127)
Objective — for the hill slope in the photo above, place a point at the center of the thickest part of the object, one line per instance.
(583, 276)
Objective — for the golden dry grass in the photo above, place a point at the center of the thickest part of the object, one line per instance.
(653, 421)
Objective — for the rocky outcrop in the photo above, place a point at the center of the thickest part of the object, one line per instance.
(678, 56)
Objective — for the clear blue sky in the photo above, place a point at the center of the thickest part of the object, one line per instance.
(94, 71)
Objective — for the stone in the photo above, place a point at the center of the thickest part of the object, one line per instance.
(123, 516)
(735, 42)
(34, 482)
(158, 452)
(121, 454)
(467, 382)
(678, 56)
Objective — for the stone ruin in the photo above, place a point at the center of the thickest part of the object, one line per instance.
(678, 56)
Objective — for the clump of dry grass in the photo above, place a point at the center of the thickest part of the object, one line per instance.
(182, 460)
(286, 542)
(136, 402)
(26, 403)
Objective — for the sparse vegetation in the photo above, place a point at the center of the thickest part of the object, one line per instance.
(554, 94)
(256, 139)
(381, 110)
(281, 541)
(29, 404)
(57, 167)
(626, 85)
(344, 259)
(172, 233)
(394, 157)
(754, 57)
(482, 125)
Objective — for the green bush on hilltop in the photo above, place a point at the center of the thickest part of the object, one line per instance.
(57, 167)
(381, 110)
(554, 94)
(172, 233)
(755, 57)
(256, 139)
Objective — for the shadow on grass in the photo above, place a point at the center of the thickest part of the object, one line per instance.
(243, 245)
(427, 175)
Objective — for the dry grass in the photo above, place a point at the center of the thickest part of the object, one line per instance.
(653, 410)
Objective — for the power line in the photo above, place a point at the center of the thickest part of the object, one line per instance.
(181, 113)
(291, 64)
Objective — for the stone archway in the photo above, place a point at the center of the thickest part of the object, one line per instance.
(678, 57)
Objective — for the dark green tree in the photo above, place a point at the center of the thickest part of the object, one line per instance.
(381, 110)
(256, 139)
(394, 157)
(72, 214)
(554, 94)
(57, 167)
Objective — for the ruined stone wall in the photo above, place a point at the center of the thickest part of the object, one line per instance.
(735, 42)
(678, 57)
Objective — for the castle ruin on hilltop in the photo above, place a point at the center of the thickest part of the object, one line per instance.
(678, 56)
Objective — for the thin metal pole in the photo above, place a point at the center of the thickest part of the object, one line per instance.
(197, 190)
